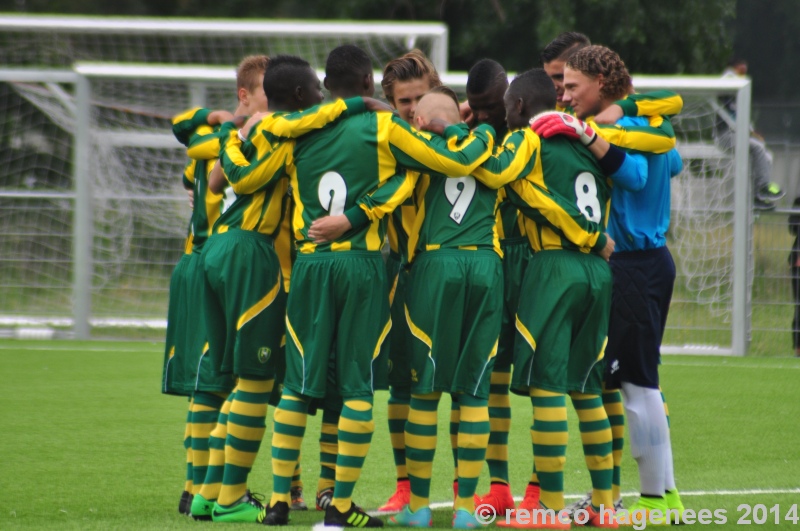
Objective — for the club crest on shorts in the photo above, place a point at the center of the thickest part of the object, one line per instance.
(264, 354)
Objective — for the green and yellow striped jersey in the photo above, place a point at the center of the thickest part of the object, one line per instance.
(202, 142)
(400, 225)
(558, 214)
(338, 167)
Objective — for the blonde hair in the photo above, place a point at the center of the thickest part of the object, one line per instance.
(250, 72)
(413, 65)
(595, 60)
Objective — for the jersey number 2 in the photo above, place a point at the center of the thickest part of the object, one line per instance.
(332, 193)
(459, 192)
(586, 192)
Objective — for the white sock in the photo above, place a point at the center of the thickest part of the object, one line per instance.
(649, 434)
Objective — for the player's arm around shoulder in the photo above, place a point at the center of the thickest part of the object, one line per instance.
(516, 158)
(252, 164)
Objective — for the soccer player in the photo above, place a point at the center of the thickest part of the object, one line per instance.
(196, 129)
(644, 275)
(405, 80)
(487, 83)
(329, 173)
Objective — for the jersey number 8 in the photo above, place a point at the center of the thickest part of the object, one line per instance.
(586, 193)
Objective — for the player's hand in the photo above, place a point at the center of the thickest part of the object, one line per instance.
(190, 193)
(466, 113)
(608, 249)
(554, 123)
(329, 228)
(609, 115)
(374, 105)
(435, 126)
(219, 117)
(252, 121)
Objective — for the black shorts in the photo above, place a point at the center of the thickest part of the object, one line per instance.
(643, 282)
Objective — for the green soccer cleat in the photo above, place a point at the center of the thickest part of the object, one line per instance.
(675, 506)
(201, 508)
(247, 509)
(406, 518)
(642, 512)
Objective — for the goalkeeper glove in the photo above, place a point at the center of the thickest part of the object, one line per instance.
(553, 123)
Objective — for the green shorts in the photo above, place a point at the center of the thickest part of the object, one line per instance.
(200, 373)
(338, 308)
(173, 380)
(244, 304)
(454, 302)
(400, 336)
(516, 254)
(563, 323)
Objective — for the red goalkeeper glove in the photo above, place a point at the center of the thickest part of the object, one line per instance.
(553, 123)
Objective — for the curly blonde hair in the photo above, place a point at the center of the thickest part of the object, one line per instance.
(595, 60)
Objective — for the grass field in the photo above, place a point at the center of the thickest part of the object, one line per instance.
(92, 444)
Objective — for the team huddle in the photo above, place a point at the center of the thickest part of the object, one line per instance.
(527, 253)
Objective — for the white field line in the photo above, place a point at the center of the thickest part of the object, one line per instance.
(78, 349)
(442, 505)
(724, 365)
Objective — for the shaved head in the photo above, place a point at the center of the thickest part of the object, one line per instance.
(438, 105)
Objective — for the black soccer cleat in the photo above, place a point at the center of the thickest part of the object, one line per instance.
(354, 517)
(185, 505)
(278, 514)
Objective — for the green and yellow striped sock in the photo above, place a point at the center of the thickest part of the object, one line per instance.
(499, 425)
(188, 485)
(473, 438)
(246, 426)
(216, 453)
(205, 412)
(596, 438)
(328, 449)
(290, 417)
(612, 403)
(549, 436)
(296, 480)
(455, 415)
(399, 401)
(355, 436)
(421, 446)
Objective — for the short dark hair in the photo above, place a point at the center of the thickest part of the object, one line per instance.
(564, 45)
(346, 67)
(484, 75)
(284, 74)
(536, 89)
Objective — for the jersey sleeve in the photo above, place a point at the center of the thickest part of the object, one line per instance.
(295, 124)
(457, 154)
(632, 174)
(675, 163)
(658, 137)
(518, 156)
(657, 102)
(188, 174)
(186, 123)
(204, 143)
(383, 200)
(266, 161)
(541, 205)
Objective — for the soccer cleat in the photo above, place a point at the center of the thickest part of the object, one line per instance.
(582, 503)
(298, 503)
(675, 506)
(185, 505)
(759, 204)
(247, 509)
(278, 514)
(406, 518)
(496, 501)
(642, 512)
(537, 517)
(354, 517)
(201, 508)
(531, 499)
(399, 499)
(770, 193)
(591, 518)
(463, 519)
(324, 498)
